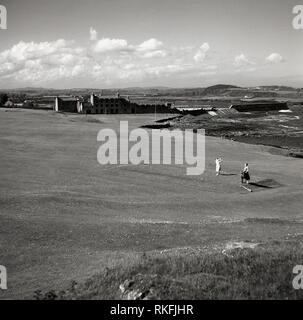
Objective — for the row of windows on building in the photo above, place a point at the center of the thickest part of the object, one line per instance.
(110, 111)
(106, 105)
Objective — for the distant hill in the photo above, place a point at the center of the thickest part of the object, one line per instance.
(278, 88)
(219, 89)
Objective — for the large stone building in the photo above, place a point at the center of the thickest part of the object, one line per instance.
(106, 105)
(110, 104)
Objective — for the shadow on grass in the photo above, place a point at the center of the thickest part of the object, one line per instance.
(259, 185)
(266, 184)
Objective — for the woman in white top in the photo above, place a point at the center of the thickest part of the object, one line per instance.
(218, 166)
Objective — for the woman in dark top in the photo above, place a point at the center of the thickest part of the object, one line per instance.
(245, 174)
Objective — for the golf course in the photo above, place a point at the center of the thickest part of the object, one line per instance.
(64, 217)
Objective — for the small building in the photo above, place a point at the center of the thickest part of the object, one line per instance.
(259, 106)
(152, 108)
(8, 104)
(66, 104)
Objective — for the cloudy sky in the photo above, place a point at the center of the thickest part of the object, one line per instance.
(124, 43)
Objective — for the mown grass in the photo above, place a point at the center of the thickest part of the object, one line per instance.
(261, 273)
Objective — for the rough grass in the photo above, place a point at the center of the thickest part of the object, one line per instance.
(261, 273)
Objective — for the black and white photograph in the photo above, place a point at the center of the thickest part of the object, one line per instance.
(151, 150)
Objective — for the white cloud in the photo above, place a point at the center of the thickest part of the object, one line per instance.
(93, 34)
(150, 45)
(274, 58)
(106, 45)
(155, 54)
(110, 61)
(34, 62)
(201, 53)
(30, 50)
(241, 61)
(151, 48)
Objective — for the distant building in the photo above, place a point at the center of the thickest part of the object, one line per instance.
(153, 108)
(110, 104)
(66, 104)
(8, 104)
(85, 107)
(102, 104)
(260, 106)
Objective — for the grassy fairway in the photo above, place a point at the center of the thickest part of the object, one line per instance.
(64, 217)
